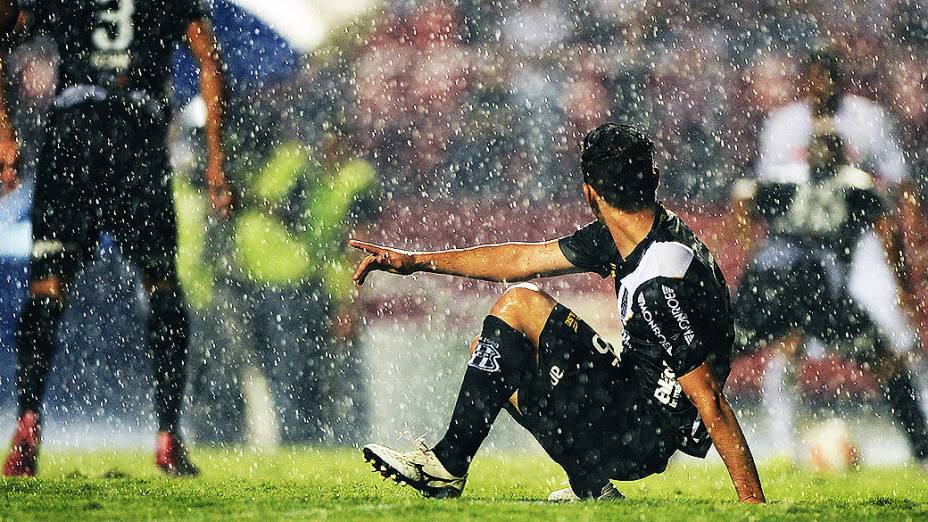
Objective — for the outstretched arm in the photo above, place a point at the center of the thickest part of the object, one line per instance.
(203, 46)
(11, 22)
(505, 262)
(704, 392)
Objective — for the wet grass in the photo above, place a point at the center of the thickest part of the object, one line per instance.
(313, 484)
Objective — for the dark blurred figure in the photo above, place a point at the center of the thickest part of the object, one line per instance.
(104, 167)
(796, 289)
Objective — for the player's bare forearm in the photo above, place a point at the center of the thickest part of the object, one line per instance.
(729, 441)
(12, 22)
(6, 123)
(890, 232)
(703, 390)
(504, 262)
(203, 45)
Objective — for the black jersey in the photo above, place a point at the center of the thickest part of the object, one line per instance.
(675, 312)
(823, 215)
(114, 43)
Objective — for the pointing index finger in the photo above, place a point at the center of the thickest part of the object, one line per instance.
(367, 247)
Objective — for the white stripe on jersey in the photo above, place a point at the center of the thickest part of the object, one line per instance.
(666, 259)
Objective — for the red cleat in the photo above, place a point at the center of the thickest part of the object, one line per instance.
(23, 459)
(171, 456)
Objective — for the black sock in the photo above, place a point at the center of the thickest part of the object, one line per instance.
(495, 369)
(904, 400)
(168, 332)
(36, 336)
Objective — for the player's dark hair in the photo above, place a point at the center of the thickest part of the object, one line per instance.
(617, 161)
(828, 60)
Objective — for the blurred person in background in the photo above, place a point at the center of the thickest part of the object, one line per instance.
(796, 289)
(104, 167)
(282, 307)
(884, 288)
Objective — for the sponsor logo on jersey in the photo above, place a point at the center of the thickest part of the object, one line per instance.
(626, 339)
(485, 356)
(572, 321)
(668, 390)
(655, 329)
(556, 374)
(677, 312)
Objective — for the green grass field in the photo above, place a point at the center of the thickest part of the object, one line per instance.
(327, 484)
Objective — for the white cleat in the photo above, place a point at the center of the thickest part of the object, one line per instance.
(419, 469)
(567, 495)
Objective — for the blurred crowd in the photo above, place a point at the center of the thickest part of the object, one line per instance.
(490, 98)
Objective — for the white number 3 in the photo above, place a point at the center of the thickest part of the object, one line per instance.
(119, 19)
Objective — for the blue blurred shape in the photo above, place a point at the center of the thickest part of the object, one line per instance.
(15, 245)
(254, 53)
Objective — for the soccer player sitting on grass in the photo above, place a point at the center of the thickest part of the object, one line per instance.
(600, 411)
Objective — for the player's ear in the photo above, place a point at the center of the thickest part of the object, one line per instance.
(589, 193)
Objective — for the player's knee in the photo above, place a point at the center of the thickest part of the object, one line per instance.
(521, 296)
(522, 302)
(51, 288)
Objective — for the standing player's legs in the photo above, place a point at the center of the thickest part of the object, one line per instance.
(144, 224)
(869, 347)
(772, 310)
(36, 343)
(874, 289)
(898, 387)
(64, 233)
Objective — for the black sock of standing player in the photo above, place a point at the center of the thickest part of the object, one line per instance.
(495, 369)
(167, 339)
(903, 398)
(36, 334)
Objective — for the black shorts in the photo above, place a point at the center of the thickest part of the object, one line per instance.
(789, 288)
(104, 167)
(586, 412)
